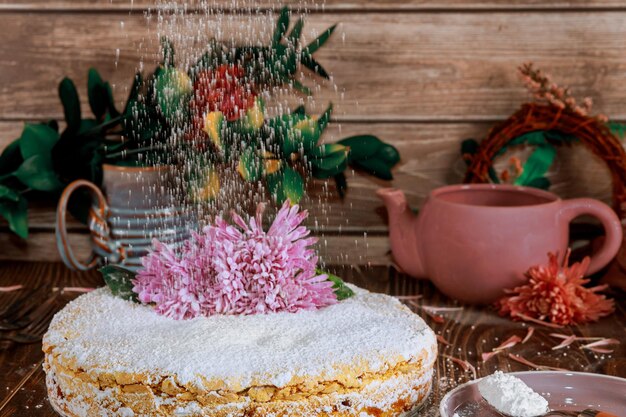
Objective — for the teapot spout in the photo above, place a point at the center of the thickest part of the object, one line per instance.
(403, 232)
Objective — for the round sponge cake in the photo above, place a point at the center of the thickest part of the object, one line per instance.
(368, 355)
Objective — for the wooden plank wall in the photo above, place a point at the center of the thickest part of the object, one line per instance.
(421, 74)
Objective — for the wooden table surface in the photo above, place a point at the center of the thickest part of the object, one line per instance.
(470, 331)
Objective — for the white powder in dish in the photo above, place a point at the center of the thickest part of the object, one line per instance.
(511, 396)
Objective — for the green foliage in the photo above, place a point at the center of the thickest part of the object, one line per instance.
(342, 291)
(11, 158)
(250, 167)
(286, 185)
(37, 173)
(537, 164)
(71, 105)
(341, 183)
(120, 281)
(372, 155)
(281, 26)
(37, 139)
(295, 132)
(618, 129)
(14, 208)
(329, 160)
(279, 151)
(167, 48)
(173, 90)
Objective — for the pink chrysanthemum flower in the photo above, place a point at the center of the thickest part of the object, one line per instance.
(237, 269)
(556, 294)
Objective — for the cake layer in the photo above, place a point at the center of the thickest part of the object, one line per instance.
(119, 342)
(390, 396)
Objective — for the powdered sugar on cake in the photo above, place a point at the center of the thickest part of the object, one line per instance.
(271, 349)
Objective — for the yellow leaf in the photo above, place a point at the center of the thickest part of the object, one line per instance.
(213, 127)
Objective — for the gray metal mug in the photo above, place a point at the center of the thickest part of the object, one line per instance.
(139, 207)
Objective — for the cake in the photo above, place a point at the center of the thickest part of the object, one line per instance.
(368, 355)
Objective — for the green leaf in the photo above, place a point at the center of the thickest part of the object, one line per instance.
(469, 147)
(111, 101)
(7, 193)
(325, 118)
(11, 157)
(296, 32)
(309, 62)
(281, 26)
(537, 165)
(71, 105)
(389, 154)
(330, 173)
(617, 129)
(334, 158)
(301, 87)
(16, 214)
(328, 149)
(320, 41)
(286, 185)
(341, 183)
(173, 90)
(342, 291)
(133, 96)
(250, 166)
(300, 111)
(362, 146)
(37, 139)
(167, 49)
(97, 93)
(119, 281)
(295, 133)
(37, 173)
(542, 183)
(374, 166)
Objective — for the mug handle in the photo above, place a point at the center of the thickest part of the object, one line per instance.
(68, 257)
(611, 223)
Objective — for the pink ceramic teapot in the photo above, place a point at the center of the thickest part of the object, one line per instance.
(474, 241)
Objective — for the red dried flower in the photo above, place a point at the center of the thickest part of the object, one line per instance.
(225, 89)
(556, 294)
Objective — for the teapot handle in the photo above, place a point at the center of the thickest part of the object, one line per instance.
(611, 223)
(67, 255)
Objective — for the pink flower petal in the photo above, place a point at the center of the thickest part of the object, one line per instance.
(599, 350)
(465, 365)
(566, 342)
(11, 288)
(508, 343)
(600, 343)
(536, 321)
(526, 362)
(485, 356)
(442, 340)
(436, 318)
(529, 334)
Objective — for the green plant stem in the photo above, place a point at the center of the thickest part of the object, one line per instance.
(5, 176)
(103, 126)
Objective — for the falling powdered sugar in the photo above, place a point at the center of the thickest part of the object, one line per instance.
(511, 396)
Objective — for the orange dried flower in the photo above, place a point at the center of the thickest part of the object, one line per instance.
(556, 294)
